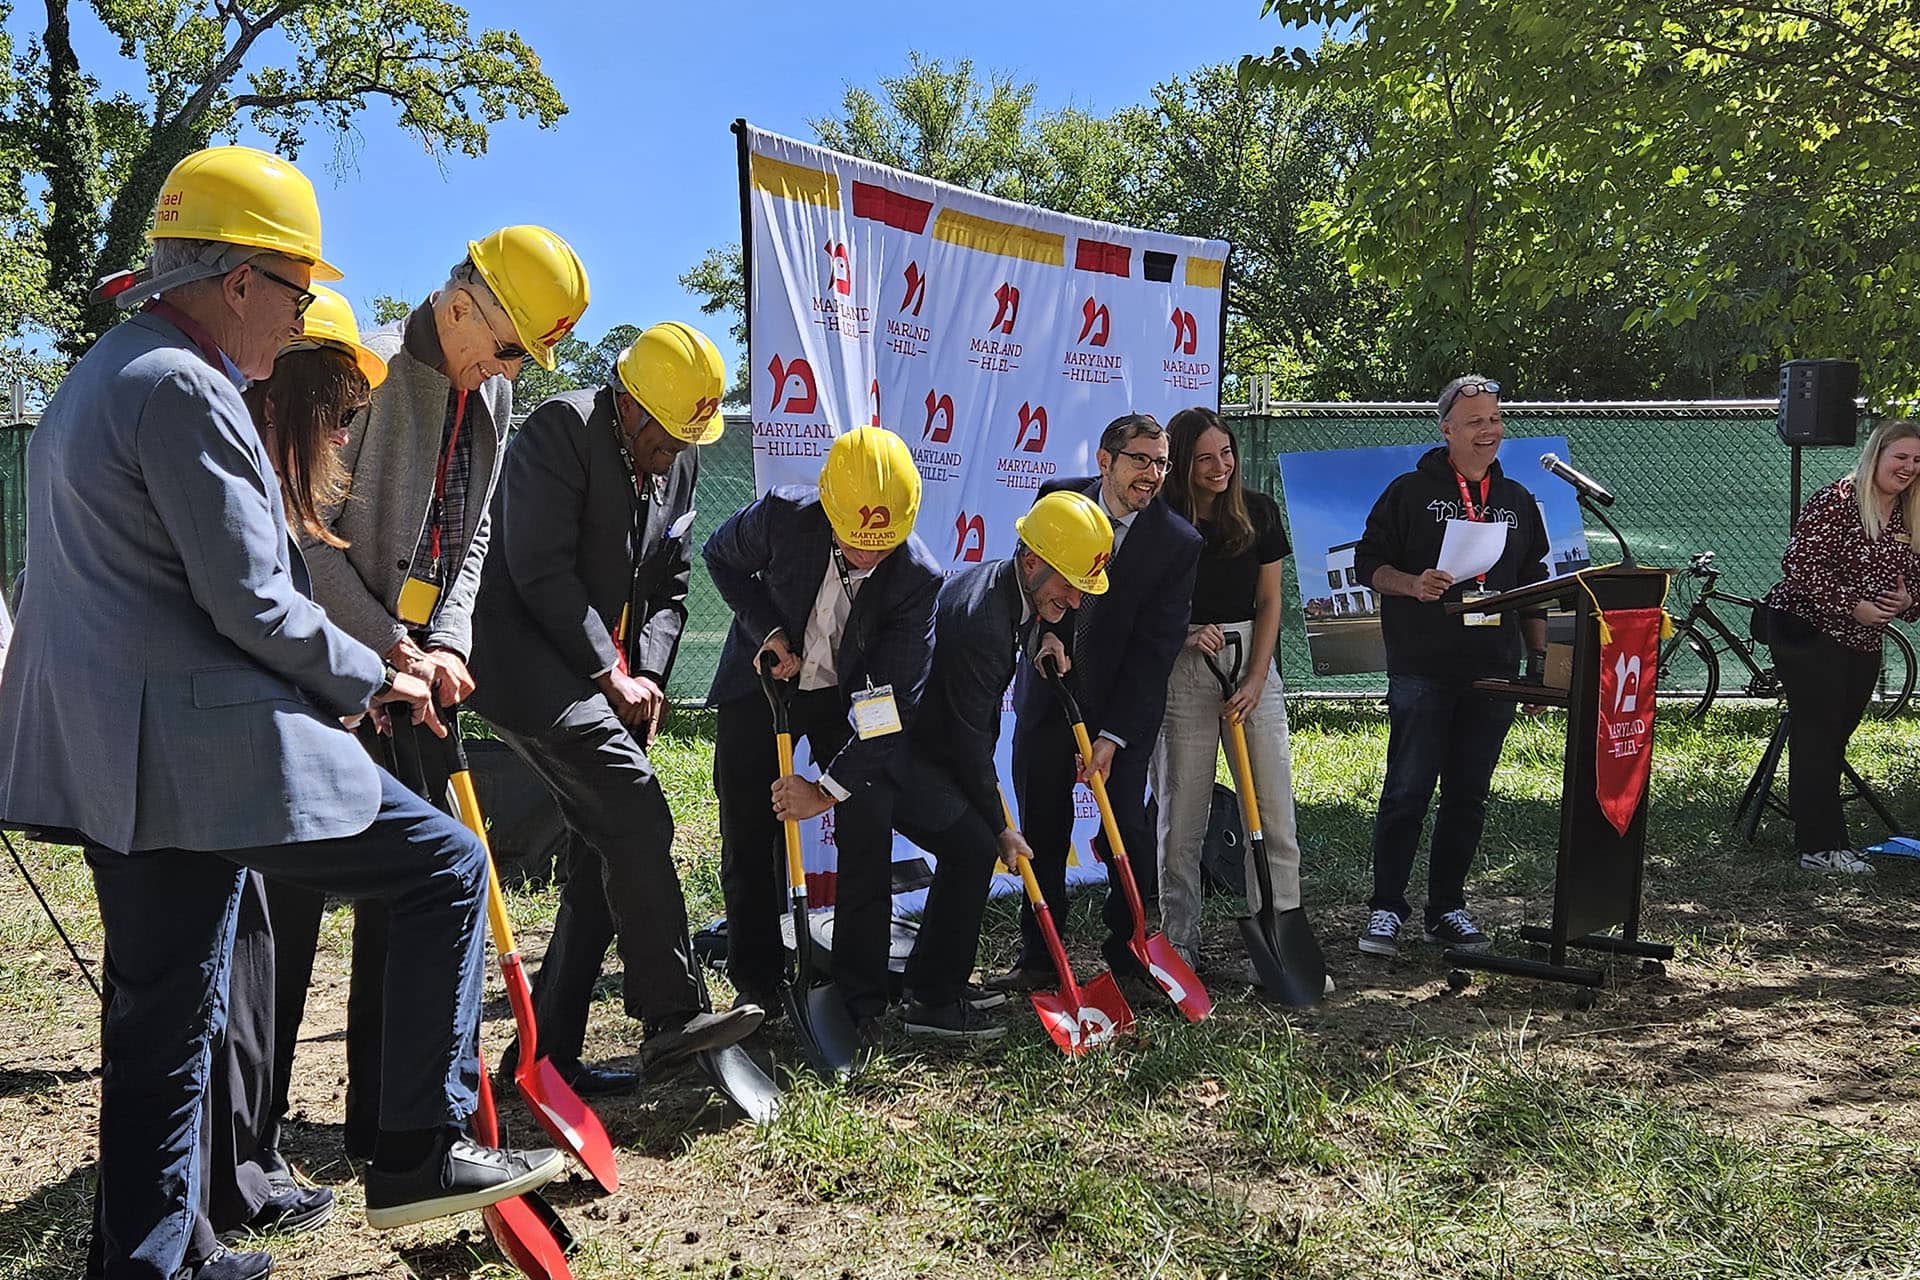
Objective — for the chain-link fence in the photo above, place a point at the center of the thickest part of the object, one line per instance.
(1689, 477)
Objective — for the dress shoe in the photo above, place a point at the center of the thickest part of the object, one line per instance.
(461, 1175)
(675, 1039)
(225, 1264)
(1021, 978)
(288, 1213)
(588, 1082)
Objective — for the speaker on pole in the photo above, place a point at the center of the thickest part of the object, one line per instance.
(1816, 402)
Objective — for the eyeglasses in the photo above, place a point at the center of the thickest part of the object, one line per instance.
(1146, 461)
(1468, 390)
(504, 351)
(302, 298)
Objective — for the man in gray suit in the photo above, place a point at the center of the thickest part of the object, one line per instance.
(581, 605)
(174, 697)
(422, 461)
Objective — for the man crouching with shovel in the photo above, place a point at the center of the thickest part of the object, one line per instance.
(985, 617)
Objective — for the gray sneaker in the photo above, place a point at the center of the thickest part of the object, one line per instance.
(462, 1175)
(956, 1021)
(1381, 937)
(1844, 861)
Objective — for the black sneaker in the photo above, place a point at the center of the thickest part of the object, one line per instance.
(670, 1043)
(1456, 929)
(288, 1213)
(979, 997)
(225, 1264)
(1381, 937)
(462, 1176)
(956, 1021)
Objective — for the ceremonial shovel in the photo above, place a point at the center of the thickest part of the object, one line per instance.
(1154, 952)
(1285, 954)
(1077, 1018)
(567, 1120)
(525, 1228)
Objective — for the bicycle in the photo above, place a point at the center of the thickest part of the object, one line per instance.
(1690, 660)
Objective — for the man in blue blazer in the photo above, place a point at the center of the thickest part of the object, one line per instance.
(1122, 645)
(175, 697)
(833, 584)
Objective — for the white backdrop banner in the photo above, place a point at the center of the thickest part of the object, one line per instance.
(996, 338)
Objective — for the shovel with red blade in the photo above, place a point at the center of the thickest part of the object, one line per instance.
(1077, 1018)
(1155, 952)
(525, 1227)
(567, 1120)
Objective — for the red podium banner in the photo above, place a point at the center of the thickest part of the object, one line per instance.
(1629, 658)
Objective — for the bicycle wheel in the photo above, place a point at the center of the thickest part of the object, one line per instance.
(1689, 674)
(1895, 685)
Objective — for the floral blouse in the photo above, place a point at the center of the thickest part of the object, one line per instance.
(1830, 566)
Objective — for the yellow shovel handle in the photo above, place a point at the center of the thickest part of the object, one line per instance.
(469, 803)
(796, 866)
(1099, 784)
(1025, 868)
(1243, 766)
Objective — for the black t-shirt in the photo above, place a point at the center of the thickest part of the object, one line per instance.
(1223, 587)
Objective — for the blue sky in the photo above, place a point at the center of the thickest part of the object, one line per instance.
(640, 176)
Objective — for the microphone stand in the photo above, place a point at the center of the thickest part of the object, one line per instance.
(1626, 555)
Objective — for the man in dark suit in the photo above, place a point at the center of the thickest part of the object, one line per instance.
(985, 616)
(1122, 645)
(579, 616)
(832, 584)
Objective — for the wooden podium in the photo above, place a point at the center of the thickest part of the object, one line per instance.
(1598, 872)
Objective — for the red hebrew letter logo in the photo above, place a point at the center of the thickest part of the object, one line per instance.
(804, 400)
(970, 538)
(1099, 562)
(561, 328)
(1186, 332)
(916, 289)
(875, 517)
(705, 409)
(1626, 678)
(1095, 313)
(840, 267)
(874, 391)
(1033, 418)
(938, 408)
(1008, 309)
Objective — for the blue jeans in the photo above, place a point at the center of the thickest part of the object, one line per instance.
(169, 917)
(1440, 731)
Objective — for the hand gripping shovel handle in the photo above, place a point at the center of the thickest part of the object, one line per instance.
(1242, 763)
(567, 1120)
(783, 746)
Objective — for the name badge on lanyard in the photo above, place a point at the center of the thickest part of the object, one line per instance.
(1479, 592)
(420, 593)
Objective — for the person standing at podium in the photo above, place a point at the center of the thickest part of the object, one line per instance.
(1441, 731)
(1849, 572)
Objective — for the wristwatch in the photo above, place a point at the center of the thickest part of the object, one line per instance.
(1536, 665)
(387, 676)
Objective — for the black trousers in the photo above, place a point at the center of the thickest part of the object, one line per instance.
(625, 887)
(964, 852)
(411, 754)
(1828, 686)
(1043, 780)
(753, 851)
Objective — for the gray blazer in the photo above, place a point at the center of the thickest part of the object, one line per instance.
(564, 565)
(168, 685)
(391, 453)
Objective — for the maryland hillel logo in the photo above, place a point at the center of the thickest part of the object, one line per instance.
(1033, 429)
(969, 538)
(916, 292)
(939, 428)
(561, 328)
(996, 354)
(1097, 325)
(1186, 332)
(1100, 560)
(875, 518)
(1006, 309)
(907, 336)
(1177, 370)
(704, 409)
(806, 395)
(839, 268)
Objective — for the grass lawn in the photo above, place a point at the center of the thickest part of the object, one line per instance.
(1749, 1113)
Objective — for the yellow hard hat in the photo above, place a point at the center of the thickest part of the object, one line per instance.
(238, 195)
(538, 280)
(329, 322)
(678, 376)
(1073, 536)
(870, 489)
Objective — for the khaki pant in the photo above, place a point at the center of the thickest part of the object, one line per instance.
(1182, 773)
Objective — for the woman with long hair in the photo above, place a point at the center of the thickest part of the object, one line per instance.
(1236, 594)
(1848, 571)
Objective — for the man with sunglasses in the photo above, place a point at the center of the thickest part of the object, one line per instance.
(1441, 731)
(423, 460)
(1120, 648)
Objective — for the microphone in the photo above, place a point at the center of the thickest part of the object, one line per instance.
(1583, 484)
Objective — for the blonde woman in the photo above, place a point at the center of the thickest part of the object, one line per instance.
(1849, 570)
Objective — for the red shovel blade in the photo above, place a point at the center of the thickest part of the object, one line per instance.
(1102, 1014)
(527, 1240)
(567, 1120)
(1175, 976)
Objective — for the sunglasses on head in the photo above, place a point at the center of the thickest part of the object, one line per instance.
(1467, 390)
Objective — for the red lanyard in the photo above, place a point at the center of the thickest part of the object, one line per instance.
(195, 331)
(1466, 501)
(440, 473)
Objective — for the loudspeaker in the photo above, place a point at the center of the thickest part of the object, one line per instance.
(1816, 401)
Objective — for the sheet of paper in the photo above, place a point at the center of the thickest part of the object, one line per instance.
(1471, 547)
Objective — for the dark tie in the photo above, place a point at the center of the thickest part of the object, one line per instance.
(1083, 616)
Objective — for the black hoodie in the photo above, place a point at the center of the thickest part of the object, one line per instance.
(1404, 532)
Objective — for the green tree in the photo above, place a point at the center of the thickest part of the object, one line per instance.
(1696, 186)
(577, 364)
(285, 68)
